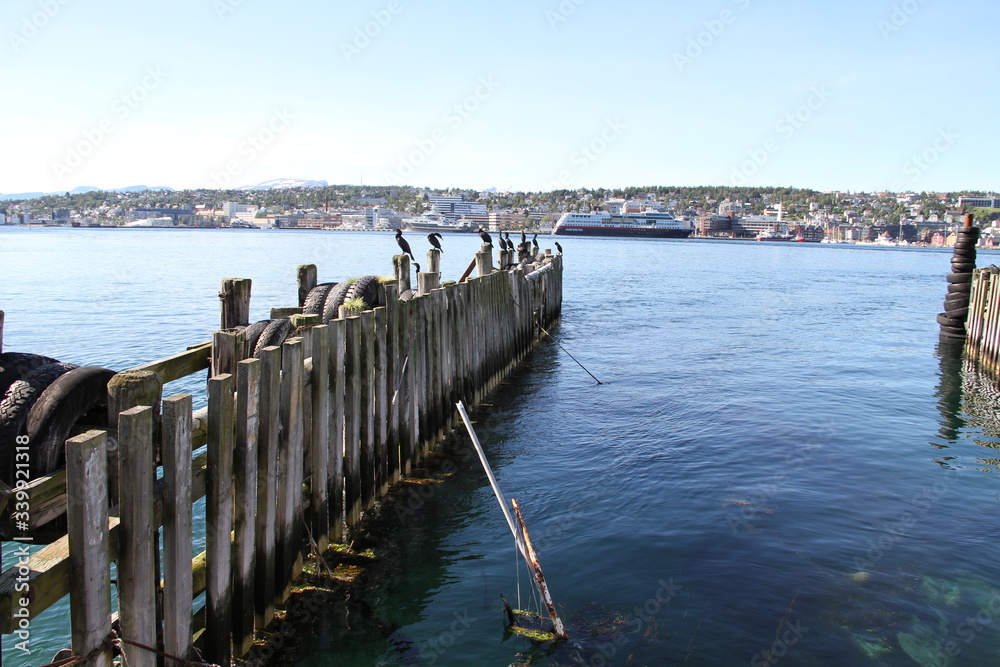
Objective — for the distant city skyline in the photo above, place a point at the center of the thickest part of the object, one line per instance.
(524, 96)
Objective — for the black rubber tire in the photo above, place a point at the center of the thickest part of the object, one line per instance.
(316, 298)
(964, 267)
(253, 333)
(953, 335)
(959, 278)
(957, 332)
(275, 334)
(331, 307)
(407, 294)
(58, 408)
(959, 288)
(947, 321)
(956, 312)
(965, 245)
(366, 288)
(964, 256)
(957, 297)
(968, 232)
(16, 405)
(13, 366)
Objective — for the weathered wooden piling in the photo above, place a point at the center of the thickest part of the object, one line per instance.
(89, 548)
(303, 438)
(177, 517)
(234, 298)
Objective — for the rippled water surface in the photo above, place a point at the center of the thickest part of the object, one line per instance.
(781, 466)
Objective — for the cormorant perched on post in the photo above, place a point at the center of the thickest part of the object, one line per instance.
(485, 237)
(417, 266)
(433, 238)
(559, 247)
(510, 244)
(524, 239)
(503, 243)
(534, 243)
(403, 245)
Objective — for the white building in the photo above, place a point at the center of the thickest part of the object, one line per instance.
(230, 209)
(453, 207)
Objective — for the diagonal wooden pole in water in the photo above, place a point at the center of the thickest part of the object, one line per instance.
(521, 537)
(493, 481)
(543, 588)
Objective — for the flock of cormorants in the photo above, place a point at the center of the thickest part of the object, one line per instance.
(523, 248)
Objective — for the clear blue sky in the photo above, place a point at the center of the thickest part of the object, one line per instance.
(849, 95)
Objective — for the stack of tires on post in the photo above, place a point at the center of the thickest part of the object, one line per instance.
(956, 303)
(325, 299)
(43, 402)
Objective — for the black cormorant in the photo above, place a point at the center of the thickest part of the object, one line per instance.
(485, 237)
(534, 243)
(433, 238)
(559, 247)
(524, 239)
(403, 245)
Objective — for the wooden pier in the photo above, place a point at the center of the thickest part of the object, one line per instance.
(299, 442)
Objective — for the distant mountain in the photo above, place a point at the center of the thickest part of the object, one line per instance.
(143, 188)
(81, 190)
(284, 184)
(25, 195)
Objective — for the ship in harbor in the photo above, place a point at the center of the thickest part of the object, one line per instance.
(649, 224)
(427, 223)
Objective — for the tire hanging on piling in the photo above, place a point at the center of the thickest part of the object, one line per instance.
(14, 409)
(79, 395)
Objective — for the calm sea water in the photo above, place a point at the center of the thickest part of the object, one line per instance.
(781, 466)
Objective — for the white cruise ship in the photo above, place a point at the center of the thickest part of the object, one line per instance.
(650, 224)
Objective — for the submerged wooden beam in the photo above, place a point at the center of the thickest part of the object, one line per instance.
(543, 588)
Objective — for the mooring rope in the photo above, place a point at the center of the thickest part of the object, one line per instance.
(539, 325)
(114, 641)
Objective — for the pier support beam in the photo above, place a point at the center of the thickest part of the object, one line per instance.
(307, 279)
(234, 300)
(401, 269)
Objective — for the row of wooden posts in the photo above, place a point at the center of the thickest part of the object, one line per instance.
(300, 443)
(982, 340)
